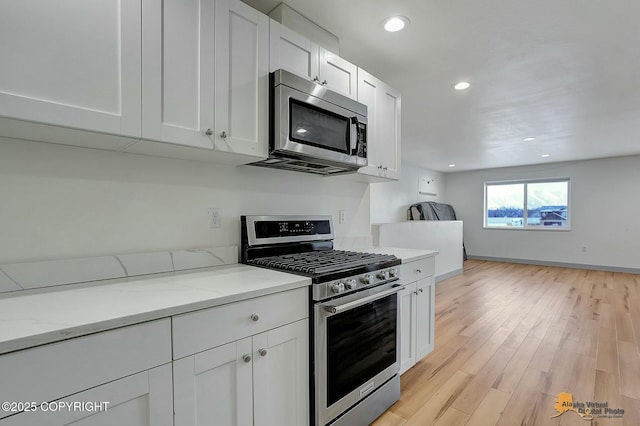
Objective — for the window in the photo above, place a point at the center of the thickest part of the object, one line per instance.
(531, 204)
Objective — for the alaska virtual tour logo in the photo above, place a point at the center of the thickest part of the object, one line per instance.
(586, 410)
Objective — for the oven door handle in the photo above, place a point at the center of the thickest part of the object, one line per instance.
(336, 309)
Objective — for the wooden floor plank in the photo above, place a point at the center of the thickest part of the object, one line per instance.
(629, 369)
(490, 408)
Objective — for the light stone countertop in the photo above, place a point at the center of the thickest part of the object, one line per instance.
(41, 318)
(406, 254)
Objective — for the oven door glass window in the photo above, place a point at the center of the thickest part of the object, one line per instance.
(317, 127)
(361, 342)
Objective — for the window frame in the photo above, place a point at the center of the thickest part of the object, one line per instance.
(524, 226)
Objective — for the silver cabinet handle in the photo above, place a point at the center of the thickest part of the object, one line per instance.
(415, 292)
(209, 132)
(418, 271)
(254, 317)
(223, 135)
(262, 352)
(421, 290)
(385, 168)
(316, 79)
(246, 358)
(324, 82)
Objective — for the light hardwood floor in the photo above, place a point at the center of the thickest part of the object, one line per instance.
(510, 337)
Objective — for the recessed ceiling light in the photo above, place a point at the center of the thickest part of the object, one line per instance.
(462, 85)
(529, 139)
(545, 155)
(396, 23)
(452, 165)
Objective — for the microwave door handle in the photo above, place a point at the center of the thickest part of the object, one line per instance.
(354, 136)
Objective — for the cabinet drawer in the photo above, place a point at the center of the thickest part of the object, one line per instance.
(197, 331)
(60, 369)
(417, 269)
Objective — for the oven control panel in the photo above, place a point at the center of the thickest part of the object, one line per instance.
(354, 283)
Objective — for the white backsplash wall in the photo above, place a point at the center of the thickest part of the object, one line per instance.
(62, 202)
(390, 200)
(604, 214)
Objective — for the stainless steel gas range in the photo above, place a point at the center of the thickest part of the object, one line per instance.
(354, 302)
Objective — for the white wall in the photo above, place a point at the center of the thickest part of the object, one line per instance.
(604, 214)
(390, 200)
(61, 201)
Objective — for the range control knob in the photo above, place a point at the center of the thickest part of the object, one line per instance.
(383, 275)
(337, 287)
(366, 279)
(351, 284)
(393, 272)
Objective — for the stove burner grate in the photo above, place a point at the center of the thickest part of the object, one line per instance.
(321, 262)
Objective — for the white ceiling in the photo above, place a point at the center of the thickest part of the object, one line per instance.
(564, 71)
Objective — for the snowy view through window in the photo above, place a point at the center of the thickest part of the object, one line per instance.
(542, 204)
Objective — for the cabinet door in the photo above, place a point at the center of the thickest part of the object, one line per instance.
(72, 64)
(177, 59)
(281, 376)
(383, 130)
(214, 386)
(143, 399)
(425, 318)
(241, 79)
(340, 75)
(292, 52)
(388, 131)
(407, 312)
(368, 92)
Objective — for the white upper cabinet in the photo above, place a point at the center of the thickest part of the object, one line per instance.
(205, 80)
(296, 53)
(383, 129)
(178, 70)
(338, 74)
(72, 64)
(241, 79)
(292, 52)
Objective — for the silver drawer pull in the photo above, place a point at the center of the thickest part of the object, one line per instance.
(223, 135)
(254, 317)
(418, 271)
(421, 290)
(246, 358)
(209, 132)
(262, 352)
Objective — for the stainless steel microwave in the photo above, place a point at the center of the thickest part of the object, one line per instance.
(314, 129)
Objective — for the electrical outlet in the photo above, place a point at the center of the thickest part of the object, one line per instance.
(342, 216)
(213, 214)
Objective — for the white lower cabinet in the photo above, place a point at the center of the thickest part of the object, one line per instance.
(143, 399)
(417, 312)
(117, 377)
(246, 363)
(242, 363)
(259, 380)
